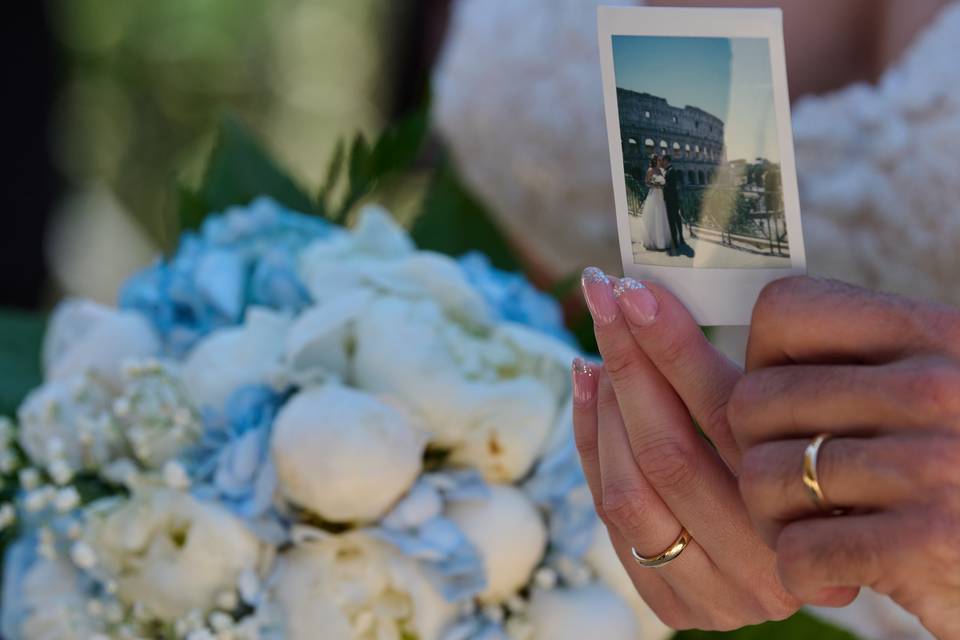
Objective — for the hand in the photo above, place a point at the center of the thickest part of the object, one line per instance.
(881, 374)
(650, 472)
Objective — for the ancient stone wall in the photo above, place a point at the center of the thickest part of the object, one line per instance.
(691, 136)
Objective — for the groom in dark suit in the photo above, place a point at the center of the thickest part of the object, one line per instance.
(671, 196)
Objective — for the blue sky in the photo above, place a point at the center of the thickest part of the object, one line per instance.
(730, 78)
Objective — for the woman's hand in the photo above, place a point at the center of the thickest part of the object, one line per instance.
(881, 374)
(652, 474)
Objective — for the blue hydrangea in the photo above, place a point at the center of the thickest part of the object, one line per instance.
(560, 489)
(232, 462)
(244, 256)
(417, 528)
(513, 298)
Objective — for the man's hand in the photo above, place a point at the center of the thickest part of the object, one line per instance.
(881, 375)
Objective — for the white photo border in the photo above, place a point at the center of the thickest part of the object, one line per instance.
(715, 297)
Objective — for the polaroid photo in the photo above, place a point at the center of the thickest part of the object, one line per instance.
(701, 148)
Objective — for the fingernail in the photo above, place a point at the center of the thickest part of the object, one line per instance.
(599, 294)
(584, 382)
(638, 303)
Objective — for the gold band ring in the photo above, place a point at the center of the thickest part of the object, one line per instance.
(667, 556)
(810, 480)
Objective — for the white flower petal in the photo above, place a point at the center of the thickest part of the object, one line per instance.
(343, 454)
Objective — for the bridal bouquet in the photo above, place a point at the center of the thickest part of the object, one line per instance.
(292, 429)
(658, 180)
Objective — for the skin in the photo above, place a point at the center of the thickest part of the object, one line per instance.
(881, 373)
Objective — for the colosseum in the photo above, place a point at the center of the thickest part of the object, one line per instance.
(691, 136)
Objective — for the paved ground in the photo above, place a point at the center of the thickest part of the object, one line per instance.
(709, 254)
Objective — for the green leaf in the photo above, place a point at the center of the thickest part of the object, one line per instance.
(399, 145)
(334, 169)
(239, 170)
(801, 626)
(21, 335)
(454, 221)
(191, 209)
(369, 166)
(359, 167)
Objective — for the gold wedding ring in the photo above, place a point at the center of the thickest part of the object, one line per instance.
(810, 480)
(667, 556)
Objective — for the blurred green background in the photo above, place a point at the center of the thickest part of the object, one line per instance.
(138, 91)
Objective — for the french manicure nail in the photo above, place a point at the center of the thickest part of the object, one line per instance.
(584, 382)
(638, 303)
(598, 291)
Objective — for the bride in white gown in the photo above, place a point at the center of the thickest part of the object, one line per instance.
(652, 229)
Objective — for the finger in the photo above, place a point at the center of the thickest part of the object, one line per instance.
(654, 590)
(632, 510)
(821, 555)
(859, 473)
(801, 319)
(694, 595)
(670, 337)
(681, 467)
(585, 422)
(628, 502)
(793, 401)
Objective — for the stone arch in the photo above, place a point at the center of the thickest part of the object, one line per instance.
(691, 177)
(701, 179)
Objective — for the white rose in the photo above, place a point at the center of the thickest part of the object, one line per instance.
(378, 256)
(343, 454)
(316, 348)
(602, 558)
(69, 419)
(54, 605)
(510, 535)
(353, 587)
(169, 551)
(591, 611)
(86, 337)
(232, 357)
(475, 395)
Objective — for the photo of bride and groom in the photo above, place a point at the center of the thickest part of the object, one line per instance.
(659, 227)
(698, 133)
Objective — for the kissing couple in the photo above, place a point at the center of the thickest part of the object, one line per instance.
(661, 225)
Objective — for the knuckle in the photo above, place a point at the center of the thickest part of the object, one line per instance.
(753, 477)
(715, 420)
(620, 362)
(739, 405)
(670, 464)
(778, 605)
(943, 530)
(935, 388)
(586, 443)
(607, 403)
(936, 464)
(622, 505)
(791, 551)
(674, 618)
(772, 297)
(944, 327)
(672, 349)
(722, 621)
